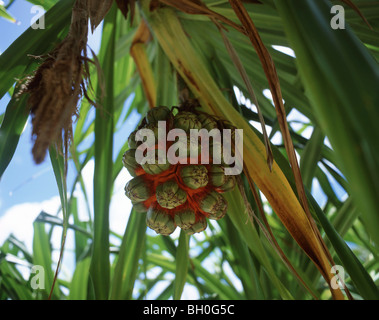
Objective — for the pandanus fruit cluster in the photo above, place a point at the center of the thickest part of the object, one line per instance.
(183, 194)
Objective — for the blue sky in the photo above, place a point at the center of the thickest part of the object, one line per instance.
(27, 188)
(24, 181)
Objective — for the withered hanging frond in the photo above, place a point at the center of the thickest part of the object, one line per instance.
(58, 84)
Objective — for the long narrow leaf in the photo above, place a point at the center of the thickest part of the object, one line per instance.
(42, 257)
(100, 267)
(58, 164)
(341, 79)
(128, 260)
(79, 282)
(181, 260)
(15, 119)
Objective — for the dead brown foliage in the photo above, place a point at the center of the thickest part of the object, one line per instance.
(58, 84)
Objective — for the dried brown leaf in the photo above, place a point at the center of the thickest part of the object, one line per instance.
(239, 66)
(138, 52)
(125, 6)
(265, 227)
(97, 9)
(57, 85)
(356, 9)
(197, 7)
(154, 4)
(273, 80)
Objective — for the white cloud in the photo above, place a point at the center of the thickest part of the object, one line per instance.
(120, 206)
(286, 50)
(18, 220)
(296, 115)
